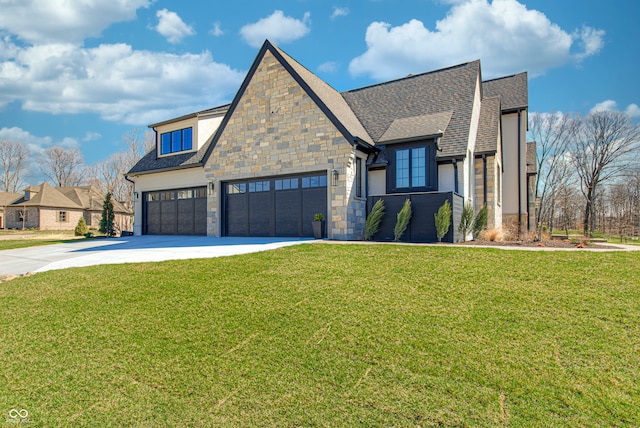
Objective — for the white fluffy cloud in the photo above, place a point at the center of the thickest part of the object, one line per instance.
(64, 21)
(328, 67)
(171, 26)
(339, 11)
(216, 30)
(504, 34)
(114, 81)
(632, 110)
(276, 27)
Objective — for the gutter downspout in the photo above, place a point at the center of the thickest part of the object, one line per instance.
(519, 172)
(484, 177)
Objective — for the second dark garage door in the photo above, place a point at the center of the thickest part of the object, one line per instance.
(278, 206)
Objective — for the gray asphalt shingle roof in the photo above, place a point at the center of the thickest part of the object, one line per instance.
(489, 126)
(448, 90)
(415, 106)
(512, 90)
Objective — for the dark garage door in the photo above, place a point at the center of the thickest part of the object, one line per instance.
(175, 212)
(278, 206)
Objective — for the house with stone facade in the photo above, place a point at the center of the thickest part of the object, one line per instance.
(45, 207)
(290, 146)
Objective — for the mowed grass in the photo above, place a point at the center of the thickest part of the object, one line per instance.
(329, 335)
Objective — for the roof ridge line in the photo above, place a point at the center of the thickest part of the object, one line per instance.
(411, 76)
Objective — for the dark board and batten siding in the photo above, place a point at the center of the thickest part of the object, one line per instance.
(422, 227)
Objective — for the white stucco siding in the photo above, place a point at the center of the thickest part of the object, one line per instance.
(192, 177)
(377, 182)
(510, 192)
(207, 126)
(446, 178)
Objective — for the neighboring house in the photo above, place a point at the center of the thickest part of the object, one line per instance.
(290, 146)
(6, 198)
(59, 208)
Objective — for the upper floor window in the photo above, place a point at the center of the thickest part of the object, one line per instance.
(413, 168)
(176, 141)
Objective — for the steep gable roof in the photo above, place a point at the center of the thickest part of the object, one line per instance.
(331, 98)
(49, 197)
(512, 90)
(320, 92)
(447, 90)
(489, 126)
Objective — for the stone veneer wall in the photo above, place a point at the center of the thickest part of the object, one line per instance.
(278, 129)
(491, 189)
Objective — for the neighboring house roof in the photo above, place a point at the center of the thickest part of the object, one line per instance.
(489, 126)
(532, 158)
(7, 198)
(47, 196)
(86, 198)
(513, 91)
(90, 198)
(447, 90)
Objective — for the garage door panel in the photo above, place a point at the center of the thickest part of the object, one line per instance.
(237, 215)
(200, 216)
(314, 200)
(175, 212)
(287, 216)
(186, 212)
(279, 206)
(153, 217)
(260, 214)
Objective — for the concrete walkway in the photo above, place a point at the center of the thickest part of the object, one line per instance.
(131, 250)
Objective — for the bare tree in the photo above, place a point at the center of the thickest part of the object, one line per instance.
(552, 133)
(108, 175)
(62, 166)
(603, 144)
(13, 158)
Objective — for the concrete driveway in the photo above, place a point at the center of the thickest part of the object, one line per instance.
(131, 250)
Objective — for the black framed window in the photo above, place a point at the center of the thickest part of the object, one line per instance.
(176, 141)
(413, 168)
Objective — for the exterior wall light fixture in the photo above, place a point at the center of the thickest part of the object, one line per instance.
(211, 187)
(334, 177)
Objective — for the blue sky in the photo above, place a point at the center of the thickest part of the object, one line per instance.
(83, 73)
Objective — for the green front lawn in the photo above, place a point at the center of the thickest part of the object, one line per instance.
(329, 335)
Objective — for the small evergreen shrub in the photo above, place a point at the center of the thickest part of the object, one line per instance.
(480, 221)
(107, 221)
(443, 220)
(372, 225)
(404, 217)
(466, 220)
(81, 229)
(318, 217)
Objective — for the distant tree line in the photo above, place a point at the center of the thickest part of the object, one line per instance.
(65, 166)
(588, 173)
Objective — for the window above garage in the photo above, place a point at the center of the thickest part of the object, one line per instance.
(177, 141)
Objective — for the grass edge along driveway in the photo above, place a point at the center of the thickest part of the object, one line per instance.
(338, 335)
